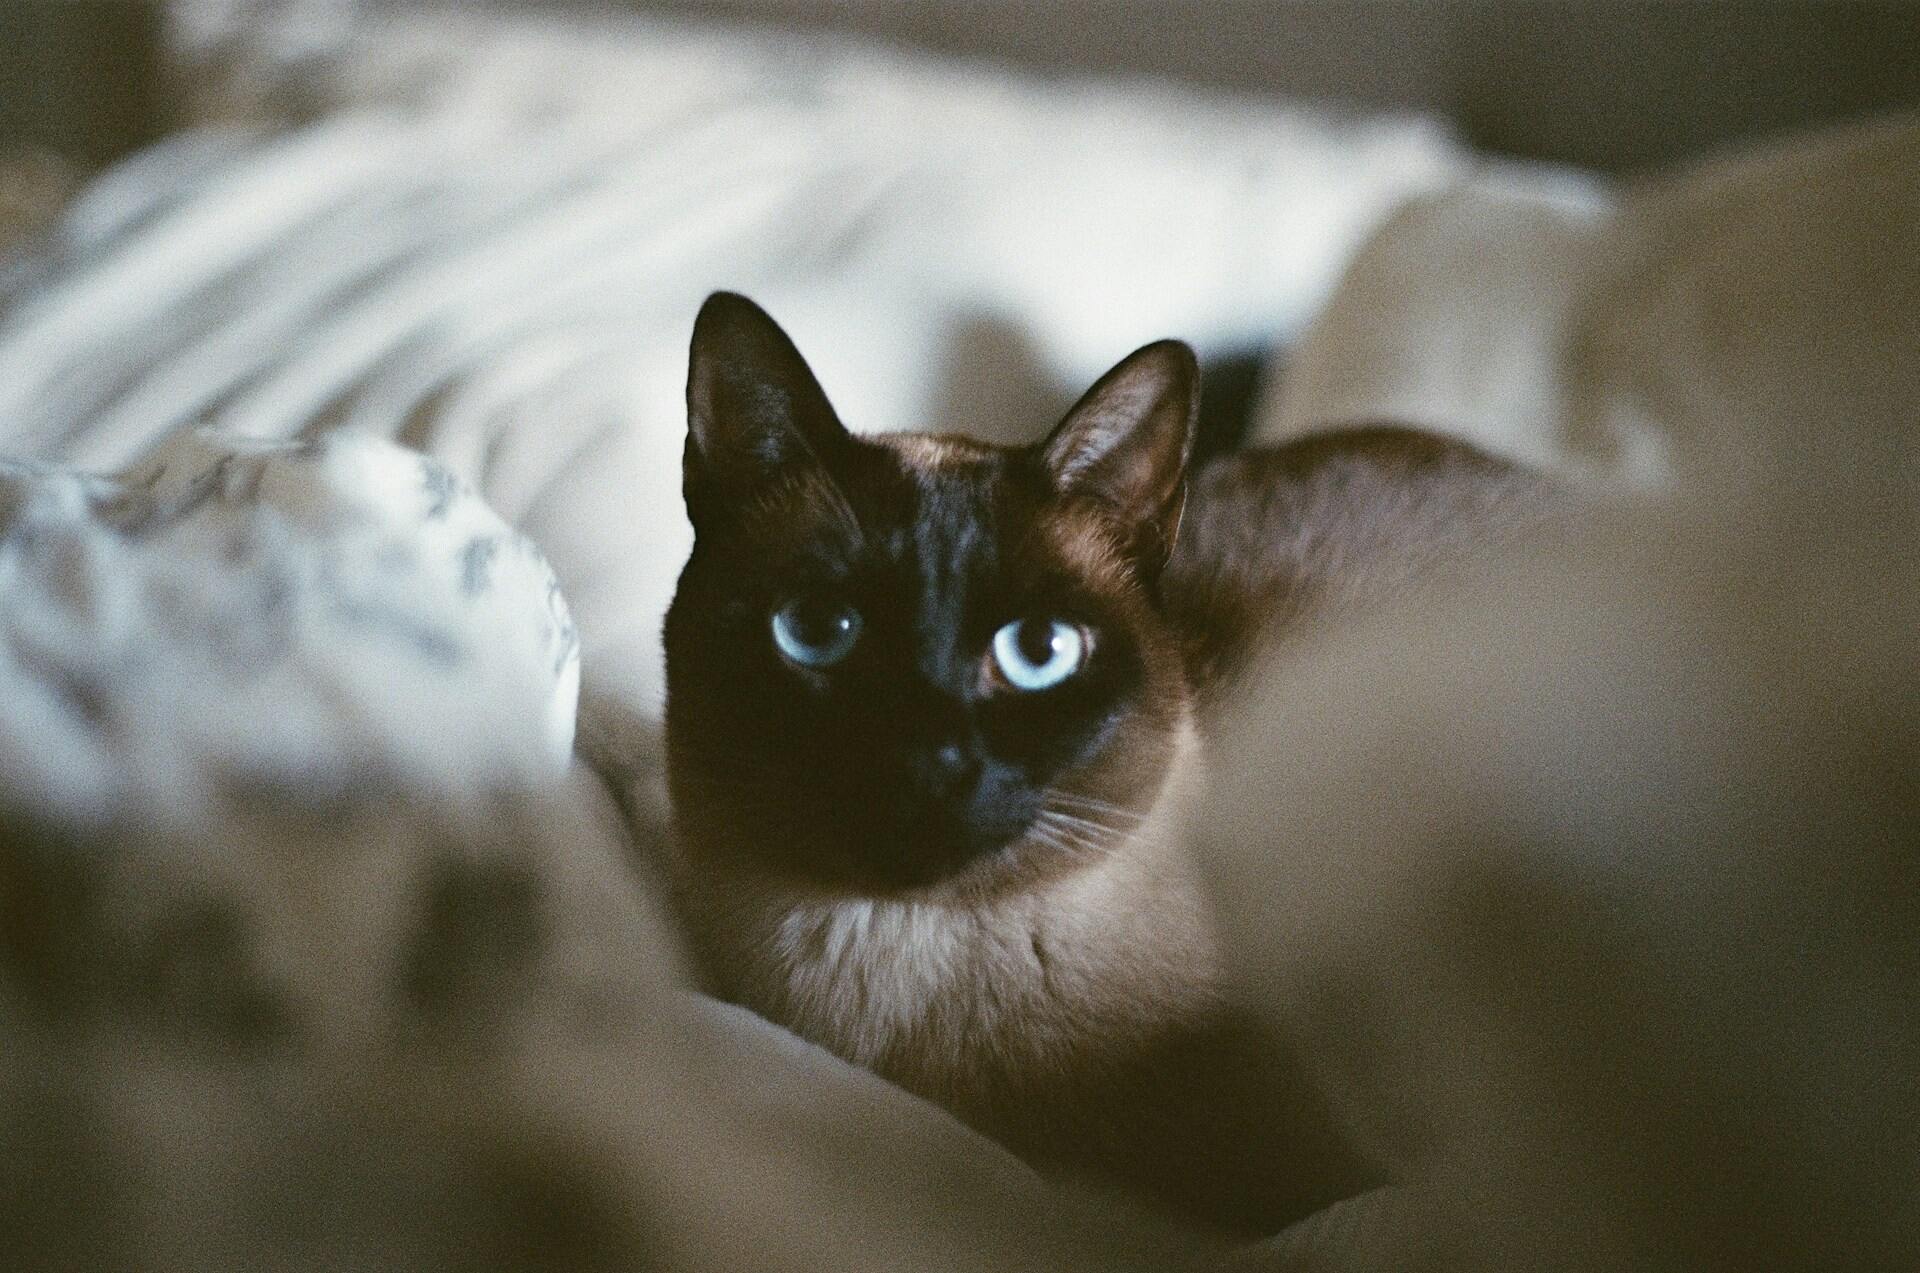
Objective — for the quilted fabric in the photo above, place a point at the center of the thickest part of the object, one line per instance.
(294, 614)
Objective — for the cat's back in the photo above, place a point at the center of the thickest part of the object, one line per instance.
(1277, 540)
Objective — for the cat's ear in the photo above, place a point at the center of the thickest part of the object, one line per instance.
(754, 409)
(1126, 444)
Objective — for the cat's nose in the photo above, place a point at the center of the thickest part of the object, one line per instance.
(949, 769)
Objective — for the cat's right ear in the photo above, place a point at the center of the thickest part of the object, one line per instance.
(754, 409)
(1126, 444)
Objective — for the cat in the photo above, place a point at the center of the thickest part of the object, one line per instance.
(936, 708)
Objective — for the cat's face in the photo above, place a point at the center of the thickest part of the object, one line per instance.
(907, 661)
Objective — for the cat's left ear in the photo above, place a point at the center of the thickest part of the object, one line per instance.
(1127, 442)
(754, 409)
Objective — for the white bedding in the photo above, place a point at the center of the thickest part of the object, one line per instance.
(296, 615)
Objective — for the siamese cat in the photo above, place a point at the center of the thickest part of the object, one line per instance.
(935, 709)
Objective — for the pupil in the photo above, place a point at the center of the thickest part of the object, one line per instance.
(818, 623)
(1036, 642)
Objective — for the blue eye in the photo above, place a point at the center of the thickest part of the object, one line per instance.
(816, 634)
(1038, 654)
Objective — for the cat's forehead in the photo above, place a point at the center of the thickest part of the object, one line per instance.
(939, 453)
(953, 499)
(945, 509)
(967, 492)
(902, 496)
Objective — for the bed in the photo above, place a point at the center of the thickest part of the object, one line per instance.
(396, 329)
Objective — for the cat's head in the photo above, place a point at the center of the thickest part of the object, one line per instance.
(909, 661)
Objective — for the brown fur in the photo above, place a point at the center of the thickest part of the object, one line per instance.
(1285, 539)
(1065, 997)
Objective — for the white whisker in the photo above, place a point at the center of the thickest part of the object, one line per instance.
(1068, 801)
(1056, 839)
(1073, 834)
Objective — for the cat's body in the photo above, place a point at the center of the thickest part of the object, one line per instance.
(969, 883)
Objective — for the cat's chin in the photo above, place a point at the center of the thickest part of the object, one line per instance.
(922, 859)
(929, 867)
